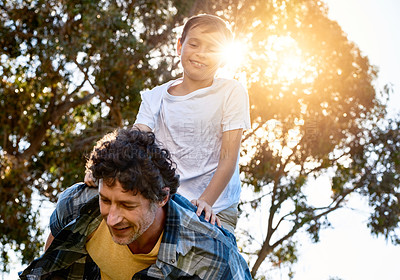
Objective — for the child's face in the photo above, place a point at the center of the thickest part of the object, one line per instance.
(200, 54)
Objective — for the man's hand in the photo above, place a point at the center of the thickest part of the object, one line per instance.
(89, 180)
(142, 127)
(210, 216)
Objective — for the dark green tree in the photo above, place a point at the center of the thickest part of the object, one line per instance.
(73, 70)
(315, 112)
(70, 71)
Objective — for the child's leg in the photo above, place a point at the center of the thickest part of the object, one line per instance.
(229, 217)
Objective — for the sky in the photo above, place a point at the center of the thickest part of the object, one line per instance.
(374, 26)
(348, 251)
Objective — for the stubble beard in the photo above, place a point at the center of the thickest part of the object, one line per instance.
(137, 232)
(135, 235)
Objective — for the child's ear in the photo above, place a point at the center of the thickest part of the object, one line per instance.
(179, 46)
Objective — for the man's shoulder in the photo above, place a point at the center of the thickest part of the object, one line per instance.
(191, 224)
(204, 249)
(77, 195)
(69, 205)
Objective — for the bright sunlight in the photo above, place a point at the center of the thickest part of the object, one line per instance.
(286, 59)
(233, 56)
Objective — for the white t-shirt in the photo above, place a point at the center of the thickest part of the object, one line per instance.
(191, 128)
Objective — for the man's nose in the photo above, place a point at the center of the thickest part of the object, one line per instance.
(114, 216)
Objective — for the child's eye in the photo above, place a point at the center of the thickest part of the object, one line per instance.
(193, 45)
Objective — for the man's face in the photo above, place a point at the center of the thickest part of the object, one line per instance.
(200, 54)
(127, 216)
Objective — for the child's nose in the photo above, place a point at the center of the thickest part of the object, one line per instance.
(203, 52)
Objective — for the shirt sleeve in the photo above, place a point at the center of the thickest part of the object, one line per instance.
(150, 107)
(69, 204)
(236, 109)
(145, 115)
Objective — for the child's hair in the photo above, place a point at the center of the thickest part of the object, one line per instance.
(212, 24)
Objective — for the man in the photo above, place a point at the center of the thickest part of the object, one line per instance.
(134, 226)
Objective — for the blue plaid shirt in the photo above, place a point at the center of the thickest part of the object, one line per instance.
(191, 248)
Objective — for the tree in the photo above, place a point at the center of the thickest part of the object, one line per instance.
(70, 71)
(315, 111)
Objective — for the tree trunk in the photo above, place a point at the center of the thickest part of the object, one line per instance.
(266, 249)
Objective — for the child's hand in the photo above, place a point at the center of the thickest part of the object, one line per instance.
(89, 180)
(210, 216)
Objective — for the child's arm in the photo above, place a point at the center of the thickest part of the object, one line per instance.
(226, 167)
(89, 180)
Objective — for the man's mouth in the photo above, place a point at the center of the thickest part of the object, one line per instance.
(119, 229)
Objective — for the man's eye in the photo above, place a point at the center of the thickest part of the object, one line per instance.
(129, 207)
(105, 201)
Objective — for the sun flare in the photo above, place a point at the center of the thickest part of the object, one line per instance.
(287, 62)
(233, 56)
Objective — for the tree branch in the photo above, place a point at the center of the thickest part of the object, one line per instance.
(38, 136)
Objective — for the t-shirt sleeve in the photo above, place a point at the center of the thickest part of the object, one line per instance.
(236, 109)
(150, 107)
(145, 114)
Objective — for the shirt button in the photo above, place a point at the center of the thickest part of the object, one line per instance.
(172, 261)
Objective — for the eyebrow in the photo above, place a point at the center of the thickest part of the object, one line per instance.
(194, 39)
(125, 202)
(209, 43)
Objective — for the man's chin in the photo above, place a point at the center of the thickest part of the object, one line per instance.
(124, 240)
(123, 237)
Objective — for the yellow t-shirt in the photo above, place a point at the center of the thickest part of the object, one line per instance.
(116, 261)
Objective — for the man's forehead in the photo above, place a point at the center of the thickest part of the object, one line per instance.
(107, 188)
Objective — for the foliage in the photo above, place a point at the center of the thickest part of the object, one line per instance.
(73, 70)
(70, 71)
(381, 180)
(315, 111)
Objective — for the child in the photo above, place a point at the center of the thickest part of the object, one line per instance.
(200, 120)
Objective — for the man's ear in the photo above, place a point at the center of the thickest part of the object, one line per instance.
(165, 200)
(179, 46)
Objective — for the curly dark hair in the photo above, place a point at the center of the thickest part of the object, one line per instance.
(132, 157)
